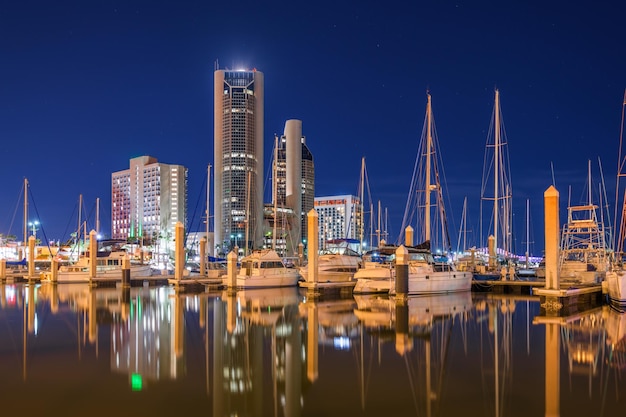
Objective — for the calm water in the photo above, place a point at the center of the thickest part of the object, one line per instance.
(75, 351)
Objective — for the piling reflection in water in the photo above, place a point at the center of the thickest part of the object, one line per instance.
(278, 352)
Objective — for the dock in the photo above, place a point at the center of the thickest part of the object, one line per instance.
(571, 296)
(195, 284)
(318, 289)
(508, 286)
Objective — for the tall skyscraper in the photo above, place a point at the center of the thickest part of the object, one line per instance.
(238, 154)
(148, 200)
(295, 186)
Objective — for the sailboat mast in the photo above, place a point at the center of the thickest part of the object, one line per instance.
(208, 194)
(245, 251)
(429, 140)
(25, 211)
(527, 231)
(379, 225)
(97, 216)
(496, 169)
(275, 189)
(620, 168)
(590, 209)
(371, 224)
(361, 197)
(80, 221)
(462, 230)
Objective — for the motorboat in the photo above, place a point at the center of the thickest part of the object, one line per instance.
(109, 265)
(265, 268)
(336, 263)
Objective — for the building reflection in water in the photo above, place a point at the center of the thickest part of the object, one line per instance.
(258, 364)
(261, 349)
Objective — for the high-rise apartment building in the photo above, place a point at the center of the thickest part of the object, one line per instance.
(148, 199)
(339, 217)
(238, 159)
(295, 184)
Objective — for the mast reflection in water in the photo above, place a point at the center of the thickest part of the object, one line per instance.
(74, 350)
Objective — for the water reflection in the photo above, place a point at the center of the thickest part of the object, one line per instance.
(278, 352)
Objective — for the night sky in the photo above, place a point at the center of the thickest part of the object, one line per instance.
(87, 85)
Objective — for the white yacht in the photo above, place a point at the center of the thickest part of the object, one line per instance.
(109, 265)
(264, 269)
(377, 272)
(428, 273)
(338, 262)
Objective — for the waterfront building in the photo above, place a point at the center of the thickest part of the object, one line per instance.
(238, 159)
(339, 217)
(147, 200)
(294, 192)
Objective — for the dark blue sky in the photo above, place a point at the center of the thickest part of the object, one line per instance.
(87, 85)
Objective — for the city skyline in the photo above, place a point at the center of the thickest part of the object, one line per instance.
(88, 87)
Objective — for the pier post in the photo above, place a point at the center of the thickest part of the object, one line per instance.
(54, 299)
(312, 370)
(125, 309)
(402, 273)
(54, 271)
(408, 236)
(231, 270)
(179, 328)
(92, 317)
(231, 309)
(551, 213)
(403, 341)
(179, 257)
(3, 269)
(126, 272)
(553, 369)
(313, 251)
(203, 257)
(493, 257)
(31, 257)
(93, 255)
(31, 309)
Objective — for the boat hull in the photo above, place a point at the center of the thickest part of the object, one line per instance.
(288, 279)
(438, 282)
(373, 286)
(487, 276)
(616, 281)
(63, 277)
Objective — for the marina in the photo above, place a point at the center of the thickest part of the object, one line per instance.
(280, 352)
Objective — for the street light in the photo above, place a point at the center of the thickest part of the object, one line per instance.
(34, 227)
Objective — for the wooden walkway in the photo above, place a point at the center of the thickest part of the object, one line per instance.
(507, 286)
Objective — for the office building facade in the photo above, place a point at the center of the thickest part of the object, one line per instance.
(339, 217)
(295, 185)
(238, 159)
(147, 200)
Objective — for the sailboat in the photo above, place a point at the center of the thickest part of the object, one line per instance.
(496, 188)
(340, 258)
(616, 276)
(15, 254)
(109, 258)
(527, 269)
(429, 271)
(584, 254)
